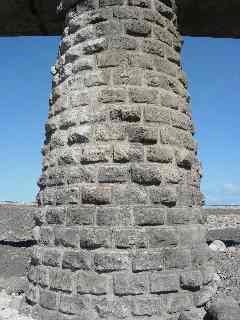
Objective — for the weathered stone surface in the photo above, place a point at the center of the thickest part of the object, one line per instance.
(13, 261)
(17, 222)
(223, 224)
(118, 155)
(224, 308)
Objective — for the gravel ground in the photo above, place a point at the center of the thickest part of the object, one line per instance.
(228, 268)
(9, 305)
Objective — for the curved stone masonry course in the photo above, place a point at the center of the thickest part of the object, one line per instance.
(120, 233)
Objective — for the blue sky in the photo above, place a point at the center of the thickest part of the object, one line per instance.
(213, 70)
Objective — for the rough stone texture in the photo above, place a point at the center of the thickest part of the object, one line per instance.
(17, 222)
(227, 267)
(223, 224)
(196, 17)
(224, 308)
(16, 239)
(117, 229)
(13, 261)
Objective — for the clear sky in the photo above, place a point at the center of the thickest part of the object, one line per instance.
(213, 70)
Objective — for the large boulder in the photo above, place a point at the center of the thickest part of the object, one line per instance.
(224, 308)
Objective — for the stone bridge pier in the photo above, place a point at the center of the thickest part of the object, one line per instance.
(121, 233)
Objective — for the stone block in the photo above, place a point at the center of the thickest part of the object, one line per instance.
(178, 302)
(170, 136)
(32, 294)
(162, 35)
(67, 237)
(126, 12)
(73, 304)
(166, 195)
(111, 58)
(51, 257)
(128, 152)
(205, 295)
(191, 280)
(121, 42)
(48, 299)
(153, 47)
(96, 195)
(54, 215)
(143, 95)
(94, 238)
(113, 174)
(132, 77)
(112, 309)
(192, 235)
(149, 216)
(94, 154)
(110, 133)
(138, 28)
(94, 46)
(91, 283)
(160, 153)
(165, 66)
(181, 120)
(76, 260)
(125, 113)
(147, 260)
(46, 236)
(80, 174)
(178, 216)
(164, 282)
(125, 284)
(129, 194)
(157, 114)
(143, 135)
(112, 95)
(147, 306)
(146, 174)
(111, 261)
(60, 280)
(166, 10)
(141, 61)
(82, 64)
(80, 215)
(177, 258)
(79, 135)
(161, 237)
(114, 216)
(95, 79)
(130, 238)
(43, 276)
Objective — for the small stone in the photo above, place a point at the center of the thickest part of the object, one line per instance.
(218, 245)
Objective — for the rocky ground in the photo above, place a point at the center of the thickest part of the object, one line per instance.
(9, 306)
(227, 264)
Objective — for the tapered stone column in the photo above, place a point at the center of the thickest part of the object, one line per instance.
(120, 231)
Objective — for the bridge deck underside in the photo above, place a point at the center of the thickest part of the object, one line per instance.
(212, 18)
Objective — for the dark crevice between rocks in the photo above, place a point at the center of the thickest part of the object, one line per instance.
(18, 244)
